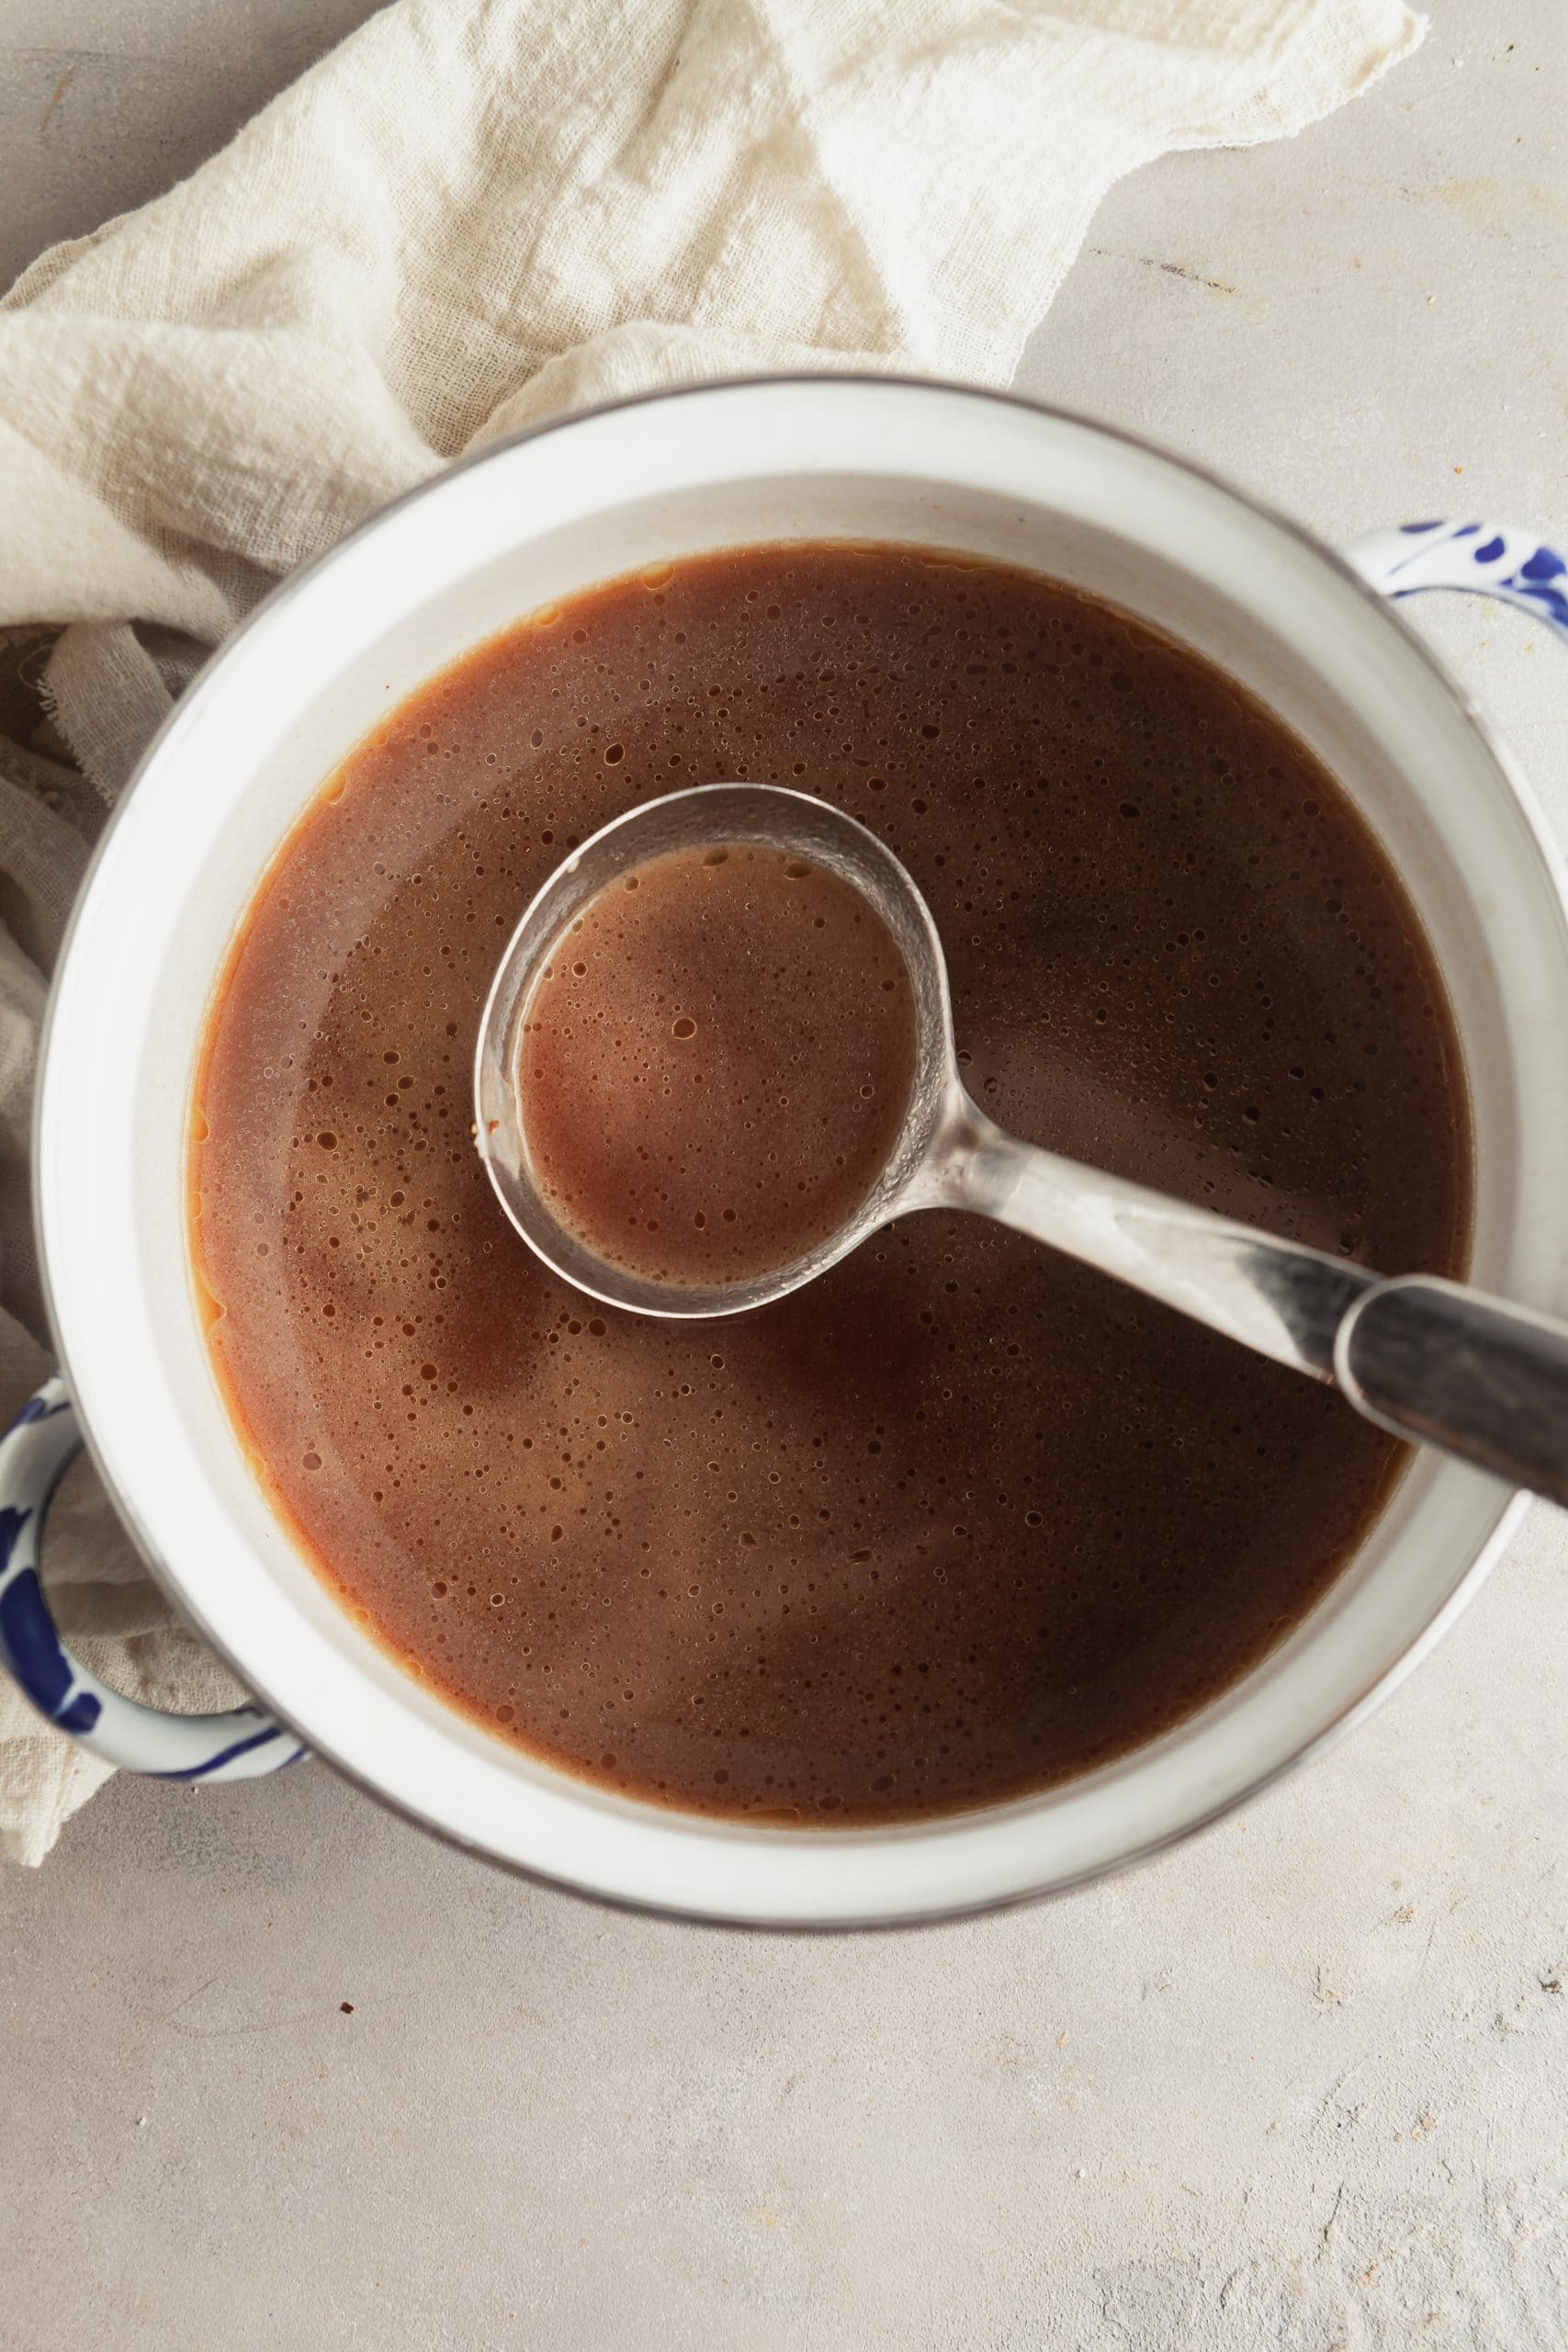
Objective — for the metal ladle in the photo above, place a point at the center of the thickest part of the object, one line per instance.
(1425, 1358)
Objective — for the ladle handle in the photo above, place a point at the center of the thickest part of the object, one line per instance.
(1448, 1366)
(1422, 1357)
(1286, 1301)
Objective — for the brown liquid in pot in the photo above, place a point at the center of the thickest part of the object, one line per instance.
(961, 1518)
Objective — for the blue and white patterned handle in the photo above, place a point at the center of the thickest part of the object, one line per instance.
(1487, 559)
(35, 1453)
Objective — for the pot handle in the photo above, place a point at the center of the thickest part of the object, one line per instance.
(35, 1453)
(1487, 558)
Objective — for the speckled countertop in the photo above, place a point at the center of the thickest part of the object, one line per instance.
(280, 2071)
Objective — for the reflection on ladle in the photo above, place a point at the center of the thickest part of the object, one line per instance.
(1425, 1358)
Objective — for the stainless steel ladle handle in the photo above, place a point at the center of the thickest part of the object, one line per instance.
(1424, 1358)
(1484, 1379)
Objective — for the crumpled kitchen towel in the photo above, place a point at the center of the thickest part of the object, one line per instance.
(474, 214)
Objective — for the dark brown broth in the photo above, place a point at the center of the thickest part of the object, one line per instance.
(961, 1518)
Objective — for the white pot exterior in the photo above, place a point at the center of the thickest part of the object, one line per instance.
(474, 551)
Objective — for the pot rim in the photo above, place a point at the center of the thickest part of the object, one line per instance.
(1349, 1712)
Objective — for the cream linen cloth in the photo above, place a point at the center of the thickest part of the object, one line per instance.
(474, 214)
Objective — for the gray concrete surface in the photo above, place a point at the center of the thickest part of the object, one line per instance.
(1303, 2085)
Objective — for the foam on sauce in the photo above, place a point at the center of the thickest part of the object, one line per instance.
(961, 1518)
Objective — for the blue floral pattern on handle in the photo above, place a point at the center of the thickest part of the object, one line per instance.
(238, 1744)
(1487, 559)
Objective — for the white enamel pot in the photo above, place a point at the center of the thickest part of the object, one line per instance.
(1308, 632)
